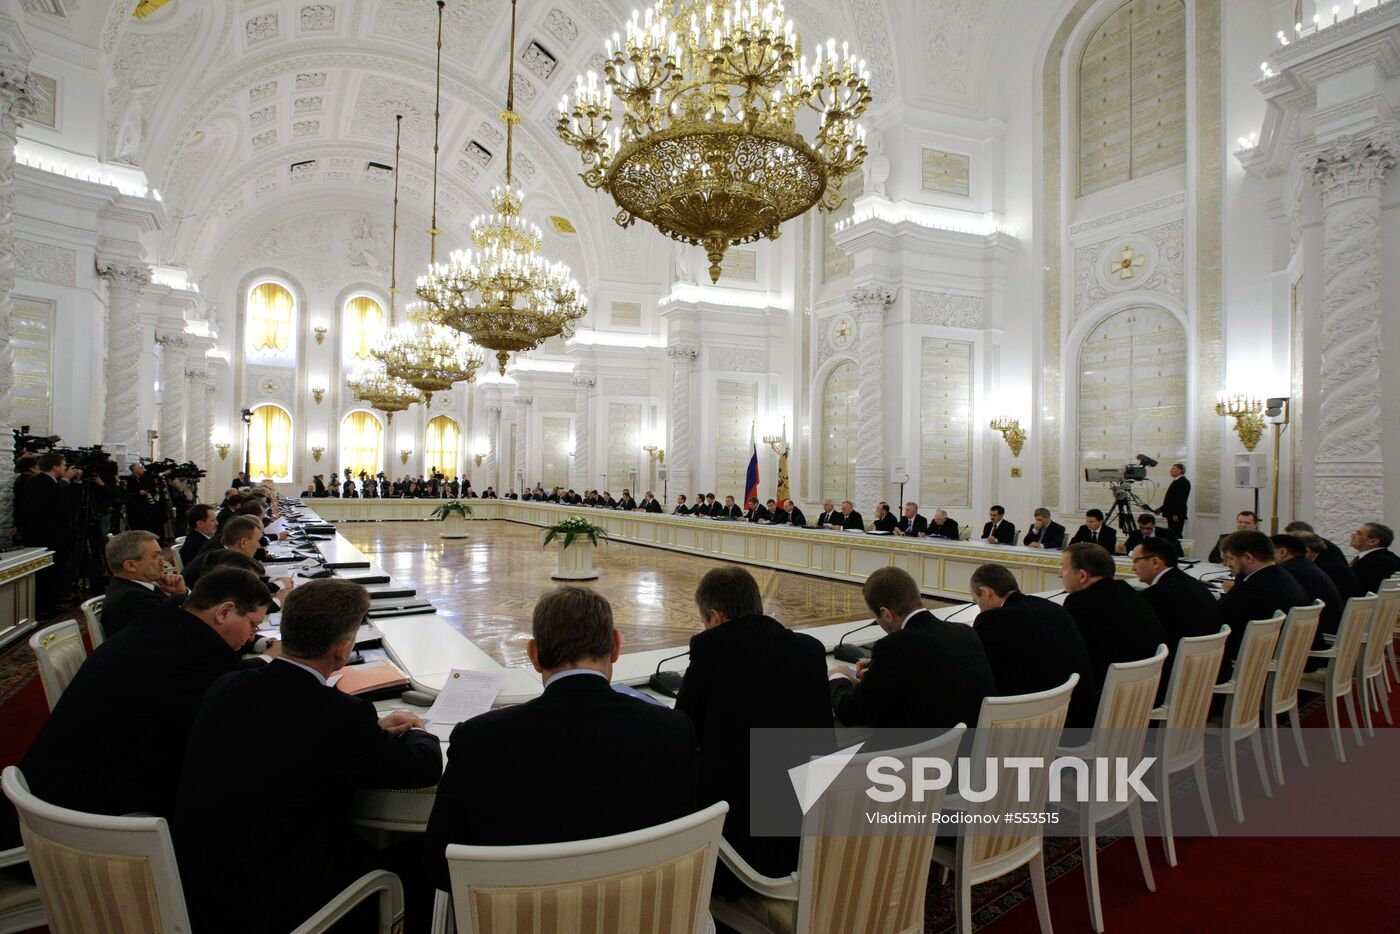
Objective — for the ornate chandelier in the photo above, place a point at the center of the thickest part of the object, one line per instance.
(420, 352)
(372, 385)
(505, 294)
(694, 127)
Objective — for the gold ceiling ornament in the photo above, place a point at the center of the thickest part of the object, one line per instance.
(146, 7)
(371, 384)
(505, 294)
(694, 126)
(421, 352)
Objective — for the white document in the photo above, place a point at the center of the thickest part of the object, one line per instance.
(465, 695)
(276, 528)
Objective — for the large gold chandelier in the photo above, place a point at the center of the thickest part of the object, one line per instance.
(421, 352)
(505, 294)
(693, 128)
(372, 385)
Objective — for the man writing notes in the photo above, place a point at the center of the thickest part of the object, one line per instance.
(849, 519)
(757, 512)
(997, 531)
(911, 523)
(1095, 532)
(730, 510)
(1044, 533)
(1173, 507)
(794, 515)
(943, 526)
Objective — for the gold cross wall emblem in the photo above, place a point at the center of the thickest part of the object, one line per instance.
(1126, 262)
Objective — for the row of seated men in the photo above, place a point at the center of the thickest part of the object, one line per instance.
(169, 717)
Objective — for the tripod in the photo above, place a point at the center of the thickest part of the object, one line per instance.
(1125, 501)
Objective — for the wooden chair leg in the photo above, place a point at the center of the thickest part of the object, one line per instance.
(1140, 838)
(1203, 787)
(1295, 722)
(1257, 743)
(1036, 868)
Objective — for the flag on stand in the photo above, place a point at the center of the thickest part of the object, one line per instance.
(751, 481)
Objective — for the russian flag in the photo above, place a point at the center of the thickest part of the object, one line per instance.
(751, 481)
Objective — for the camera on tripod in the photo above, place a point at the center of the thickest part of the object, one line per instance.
(1120, 482)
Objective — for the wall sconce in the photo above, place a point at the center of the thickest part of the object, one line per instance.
(479, 451)
(222, 447)
(318, 393)
(478, 458)
(655, 453)
(1249, 423)
(405, 454)
(316, 453)
(320, 332)
(1011, 432)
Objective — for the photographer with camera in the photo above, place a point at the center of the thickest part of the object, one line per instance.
(45, 520)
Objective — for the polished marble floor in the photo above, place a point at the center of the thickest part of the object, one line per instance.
(486, 585)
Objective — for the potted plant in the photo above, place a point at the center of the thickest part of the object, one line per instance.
(453, 514)
(577, 539)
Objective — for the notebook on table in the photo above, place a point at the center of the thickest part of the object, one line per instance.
(374, 681)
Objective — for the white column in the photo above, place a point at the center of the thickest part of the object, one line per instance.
(678, 451)
(1350, 467)
(121, 425)
(522, 439)
(870, 304)
(196, 437)
(583, 435)
(172, 395)
(491, 464)
(15, 103)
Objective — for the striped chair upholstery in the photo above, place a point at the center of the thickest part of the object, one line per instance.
(88, 890)
(1370, 671)
(1281, 693)
(59, 652)
(1245, 693)
(92, 612)
(1334, 682)
(20, 906)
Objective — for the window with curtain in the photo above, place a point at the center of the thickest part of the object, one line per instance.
(270, 441)
(364, 327)
(270, 313)
(360, 436)
(441, 446)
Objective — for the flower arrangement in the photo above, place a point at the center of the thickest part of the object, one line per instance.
(573, 528)
(453, 507)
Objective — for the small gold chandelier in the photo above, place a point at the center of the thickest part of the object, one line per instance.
(420, 352)
(372, 385)
(704, 144)
(507, 296)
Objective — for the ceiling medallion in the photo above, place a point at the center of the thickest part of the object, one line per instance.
(694, 126)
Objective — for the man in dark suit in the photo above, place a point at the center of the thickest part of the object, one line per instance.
(1245, 521)
(1147, 529)
(114, 742)
(730, 510)
(911, 523)
(629, 764)
(794, 515)
(45, 520)
(1118, 625)
(1292, 555)
(649, 503)
(1185, 606)
(1044, 532)
(1374, 562)
(511, 494)
(681, 508)
(944, 527)
(884, 519)
(711, 507)
(140, 585)
(1095, 532)
(1173, 507)
(997, 531)
(925, 673)
(1332, 563)
(757, 512)
(829, 516)
(849, 519)
(626, 502)
(748, 671)
(316, 745)
(200, 525)
(778, 515)
(241, 533)
(1032, 644)
(1261, 588)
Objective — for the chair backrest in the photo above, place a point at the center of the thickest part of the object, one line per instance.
(99, 873)
(1125, 711)
(1356, 621)
(1382, 630)
(59, 652)
(175, 551)
(1189, 691)
(833, 898)
(1292, 657)
(1252, 670)
(1021, 725)
(92, 612)
(652, 881)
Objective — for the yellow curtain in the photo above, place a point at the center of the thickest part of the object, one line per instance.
(359, 444)
(442, 445)
(364, 326)
(270, 317)
(271, 441)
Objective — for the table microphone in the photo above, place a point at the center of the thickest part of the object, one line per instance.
(962, 609)
(667, 683)
(845, 652)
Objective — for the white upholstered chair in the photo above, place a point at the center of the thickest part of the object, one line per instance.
(1335, 681)
(59, 653)
(1244, 693)
(20, 906)
(1119, 735)
(92, 612)
(1370, 665)
(648, 881)
(1393, 584)
(1023, 725)
(1286, 670)
(101, 873)
(837, 888)
(1181, 739)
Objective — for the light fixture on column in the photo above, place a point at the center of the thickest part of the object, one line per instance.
(1245, 410)
(1011, 432)
(405, 454)
(320, 332)
(479, 451)
(318, 393)
(655, 452)
(222, 447)
(1276, 409)
(316, 453)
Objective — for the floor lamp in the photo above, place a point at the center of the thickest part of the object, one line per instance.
(1276, 409)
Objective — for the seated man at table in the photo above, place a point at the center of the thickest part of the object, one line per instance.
(649, 503)
(241, 533)
(747, 670)
(884, 519)
(626, 502)
(1292, 555)
(1147, 529)
(681, 508)
(281, 728)
(1375, 562)
(997, 531)
(1095, 532)
(555, 762)
(712, 506)
(1117, 624)
(911, 523)
(1044, 532)
(794, 515)
(849, 519)
(1261, 588)
(1185, 606)
(777, 513)
(1031, 643)
(202, 522)
(1245, 521)
(756, 511)
(730, 510)
(943, 526)
(140, 584)
(1320, 553)
(925, 673)
(828, 516)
